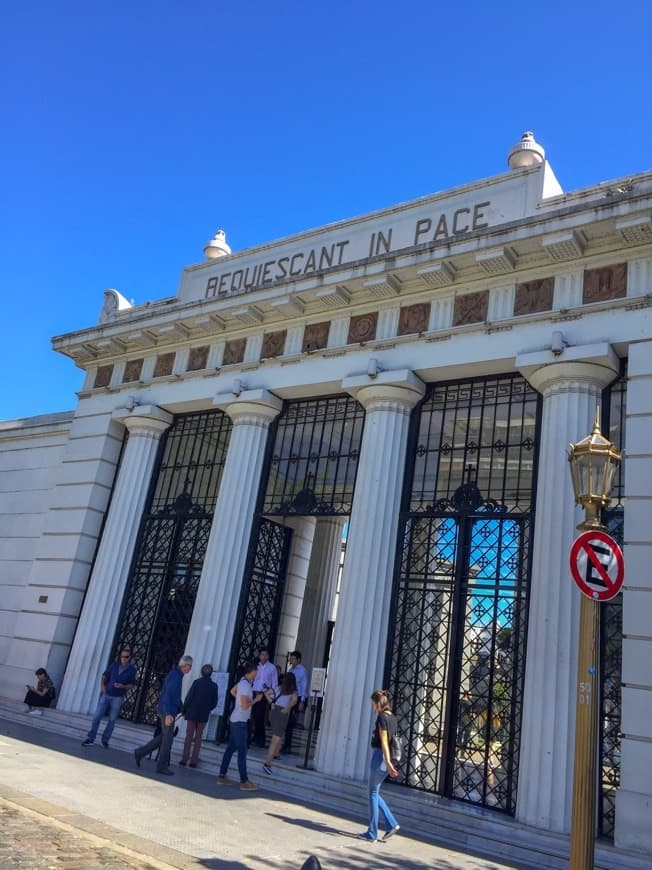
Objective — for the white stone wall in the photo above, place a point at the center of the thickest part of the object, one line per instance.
(48, 603)
(30, 453)
(295, 587)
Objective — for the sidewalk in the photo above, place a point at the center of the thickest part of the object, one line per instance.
(111, 814)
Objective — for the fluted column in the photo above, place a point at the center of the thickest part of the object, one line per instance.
(91, 647)
(321, 587)
(571, 389)
(216, 607)
(360, 637)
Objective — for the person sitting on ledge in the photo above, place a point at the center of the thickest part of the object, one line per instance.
(40, 695)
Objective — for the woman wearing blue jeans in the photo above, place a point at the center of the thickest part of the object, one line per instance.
(381, 765)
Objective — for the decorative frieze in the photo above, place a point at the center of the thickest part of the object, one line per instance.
(234, 351)
(607, 282)
(496, 262)
(534, 296)
(164, 363)
(437, 276)
(383, 286)
(273, 344)
(197, 358)
(103, 376)
(132, 371)
(315, 336)
(333, 297)
(635, 231)
(363, 327)
(414, 319)
(471, 308)
(564, 246)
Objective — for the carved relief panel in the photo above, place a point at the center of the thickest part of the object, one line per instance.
(197, 358)
(273, 344)
(315, 336)
(533, 296)
(234, 351)
(362, 327)
(608, 282)
(414, 319)
(132, 371)
(103, 376)
(471, 308)
(164, 364)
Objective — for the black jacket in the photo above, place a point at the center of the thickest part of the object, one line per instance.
(200, 700)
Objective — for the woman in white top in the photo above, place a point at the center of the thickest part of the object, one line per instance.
(279, 716)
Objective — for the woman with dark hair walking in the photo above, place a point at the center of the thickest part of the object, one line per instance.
(40, 695)
(385, 728)
(279, 714)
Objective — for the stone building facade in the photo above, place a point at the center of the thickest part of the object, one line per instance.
(417, 374)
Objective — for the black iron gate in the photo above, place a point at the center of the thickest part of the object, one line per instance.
(310, 471)
(457, 652)
(162, 585)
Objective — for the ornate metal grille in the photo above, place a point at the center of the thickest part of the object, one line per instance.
(457, 655)
(262, 603)
(315, 457)
(168, 559)
(611, 629)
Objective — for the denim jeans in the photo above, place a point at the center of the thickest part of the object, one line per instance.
(238, 739)
(377, 776)
(110, 705)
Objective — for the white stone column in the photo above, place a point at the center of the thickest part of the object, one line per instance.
(571, 389)
(295, 587)
(359, 643)
(634, 798)
(216, 607)
(91, 647)
(321, 587)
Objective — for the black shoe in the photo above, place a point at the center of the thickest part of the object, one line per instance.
(138, 758)
(87, 742)
(105, 744)
(182, 763)
(391, 833)
(192, 765)
(166, 772)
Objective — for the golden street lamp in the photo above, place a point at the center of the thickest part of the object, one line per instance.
(594, 463)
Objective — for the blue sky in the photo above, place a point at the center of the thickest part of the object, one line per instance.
(132, 131)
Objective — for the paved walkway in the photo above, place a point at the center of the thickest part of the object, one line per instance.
(93, 808)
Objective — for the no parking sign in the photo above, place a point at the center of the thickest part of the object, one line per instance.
(597, 565)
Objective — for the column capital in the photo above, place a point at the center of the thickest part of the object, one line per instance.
(397, 390)
(595, 365)
(251, 407)
(144, 419)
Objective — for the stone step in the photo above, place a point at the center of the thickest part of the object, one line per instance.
(426, 816)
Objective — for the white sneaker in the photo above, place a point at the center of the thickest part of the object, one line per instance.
(35, 713)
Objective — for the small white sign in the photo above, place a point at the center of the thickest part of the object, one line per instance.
(222, 680)
(317, 682)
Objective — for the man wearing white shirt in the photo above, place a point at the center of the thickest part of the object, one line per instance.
(266, 678)
(301, 676)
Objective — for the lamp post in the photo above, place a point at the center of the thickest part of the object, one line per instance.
(594, 463)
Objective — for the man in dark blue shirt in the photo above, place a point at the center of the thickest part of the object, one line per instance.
(116, 679)
(169, 707)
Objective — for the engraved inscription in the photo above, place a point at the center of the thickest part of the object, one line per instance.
(315, 336)
(363, 328)
(532, 296)
(609, 282)
(414, 318)
(471, 308)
